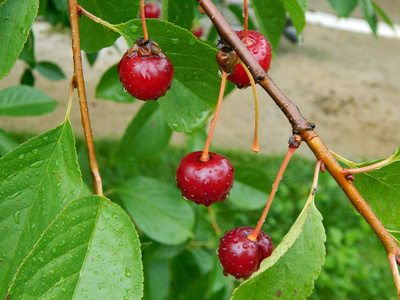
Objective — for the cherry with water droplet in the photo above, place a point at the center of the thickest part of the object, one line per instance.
(261, 49)
(240, 256)
(205, 182)
(145, 71)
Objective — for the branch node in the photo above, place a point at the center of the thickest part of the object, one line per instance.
(295, 141)
(310, 126)
(259, 79)
(350, 177)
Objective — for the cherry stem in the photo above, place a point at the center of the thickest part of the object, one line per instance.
(204, 156)
(245, 22)
(213, 220)
(256, 147)
(395, 271)
(288, 156)
(79, 83)
(143, 18)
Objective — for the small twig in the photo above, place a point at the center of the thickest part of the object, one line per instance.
(78, 82)
(256, 146)
(395, 271)
(204, 156)
(289, 154)
(213, 220)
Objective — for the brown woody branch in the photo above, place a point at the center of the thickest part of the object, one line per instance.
(79, 83)
(304, 128)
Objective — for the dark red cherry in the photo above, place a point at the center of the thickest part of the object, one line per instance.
(241, 257)
(262, 52)
(205, 182)
(145, 72)
(152, 11)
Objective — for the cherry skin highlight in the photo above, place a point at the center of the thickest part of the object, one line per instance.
(145, 77)
(241, 257)
(205, 182)
(151, 11)
(262, 52)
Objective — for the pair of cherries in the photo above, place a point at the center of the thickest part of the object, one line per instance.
(147, 74)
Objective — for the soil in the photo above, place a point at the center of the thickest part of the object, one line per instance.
(346, 83)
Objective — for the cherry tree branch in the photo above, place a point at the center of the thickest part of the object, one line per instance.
(302, 127)
(79, 84)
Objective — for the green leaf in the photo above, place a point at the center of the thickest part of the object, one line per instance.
(271, 16)
(16, 21)
(147, 134)
(49, 70)
(381, 189)
(158, 209)
(90, 251)
(110, 87)
(157, 280)
(297, 11)
(94, 36)
(194, 91)
(179, 12)
(343, 7)
(92, 57)
(37, 180)
(7, 143)
(28, 52)
(246, 197)
(23, 100)
(27, 78)
(290, 271)
(383, 14)
(369, 14)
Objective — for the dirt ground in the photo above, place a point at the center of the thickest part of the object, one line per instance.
(347, 83)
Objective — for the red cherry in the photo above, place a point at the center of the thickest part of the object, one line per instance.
(205, 182)
(198, 32)
(145, 77)
(262, 52)
(151, 11)
(240, 256)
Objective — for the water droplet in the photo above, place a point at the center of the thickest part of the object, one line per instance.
(174, 41)
(128, 273)
(124, 89)
(35, 151)
(136, 287)
(17, 218)
(134, 28)
(41, 259)
(21, 156)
